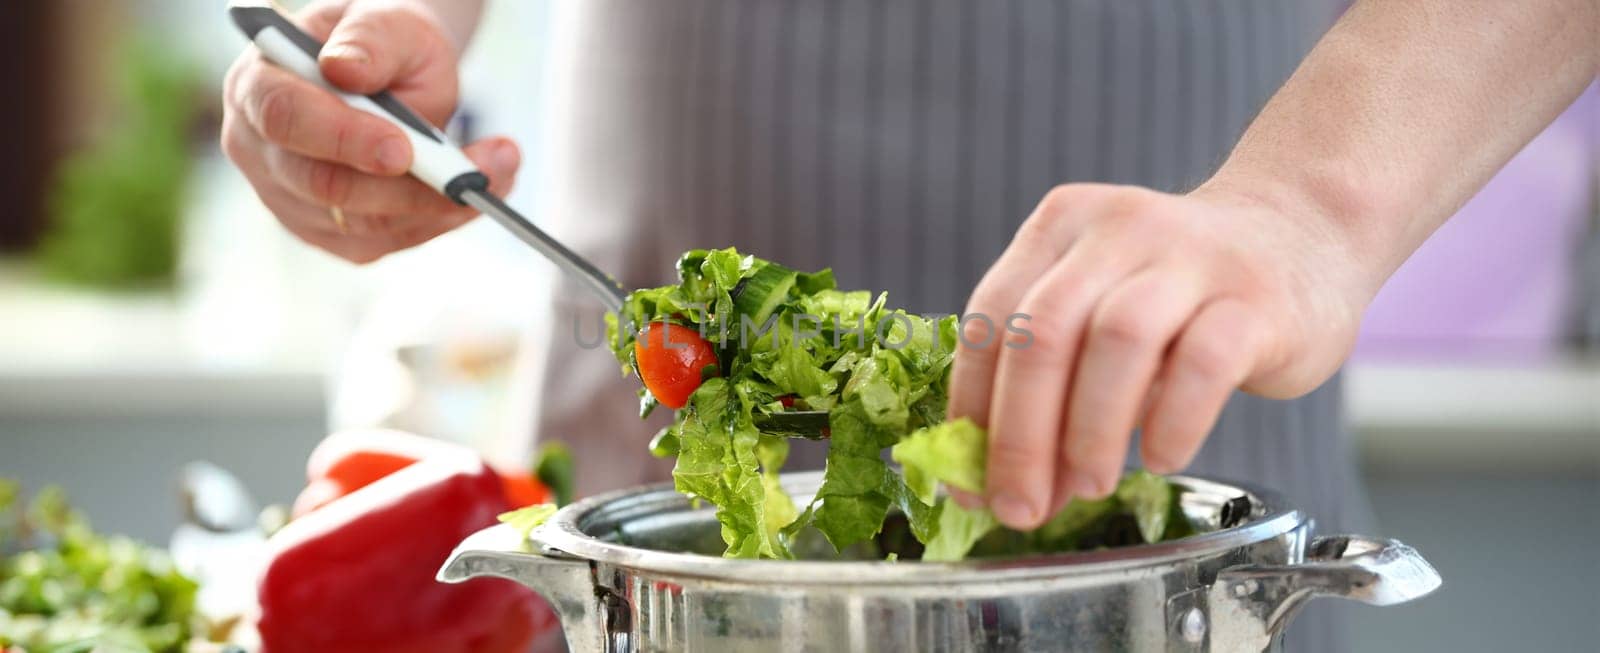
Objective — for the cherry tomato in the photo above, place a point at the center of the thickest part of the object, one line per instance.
(671, 373)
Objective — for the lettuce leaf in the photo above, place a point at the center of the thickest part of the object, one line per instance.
(953, 453)
(1149, 498)
(959, 529)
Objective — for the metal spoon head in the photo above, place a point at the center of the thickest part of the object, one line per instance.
(215, 499)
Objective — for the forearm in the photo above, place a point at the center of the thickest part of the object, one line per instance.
(459, 18)
(1406, 108)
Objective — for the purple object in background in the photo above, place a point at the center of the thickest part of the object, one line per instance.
(1499, 280)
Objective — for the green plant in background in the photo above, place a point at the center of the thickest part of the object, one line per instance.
(66, 589)
(115, 206)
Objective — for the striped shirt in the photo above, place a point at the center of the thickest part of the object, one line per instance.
(900, 142)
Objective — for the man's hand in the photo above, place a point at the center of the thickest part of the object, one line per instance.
(307, 153)
(1145, 309)
(1149, 309)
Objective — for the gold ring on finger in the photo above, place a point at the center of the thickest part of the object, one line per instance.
(338, 218)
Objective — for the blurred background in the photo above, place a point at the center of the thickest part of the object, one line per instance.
(152, 313)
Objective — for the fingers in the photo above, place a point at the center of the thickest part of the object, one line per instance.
(1139, 308)
(318, 18)
(395, 47)
(499, 158)
(371, 47)
(366, 240)
(383, 214)
(314, 226)
(1209, 360)
(331, 184)
(1030, 380)
(1038, 245)
(327, 184)
(1126, 340)
(296, 115)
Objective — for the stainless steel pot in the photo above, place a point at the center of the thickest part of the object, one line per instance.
(615, 568)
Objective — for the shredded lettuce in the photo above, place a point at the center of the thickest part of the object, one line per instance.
(790, 340)
(952, 453)
(524, 520)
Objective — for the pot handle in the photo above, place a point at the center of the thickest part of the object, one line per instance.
(1257, 602)
(566, 582)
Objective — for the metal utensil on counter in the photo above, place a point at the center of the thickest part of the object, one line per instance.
(215, 499)
(443, 167)
(219, 544)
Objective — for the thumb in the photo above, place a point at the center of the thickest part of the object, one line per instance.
(382, 46)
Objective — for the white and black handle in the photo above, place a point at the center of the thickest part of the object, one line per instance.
(434, 160)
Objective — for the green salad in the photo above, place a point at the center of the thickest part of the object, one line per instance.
(740, 340)
(66, 589)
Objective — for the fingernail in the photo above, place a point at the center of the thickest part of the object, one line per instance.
(347, 52)
(1083, 484)
(394, 154)
(505, 158)
(1012, 511)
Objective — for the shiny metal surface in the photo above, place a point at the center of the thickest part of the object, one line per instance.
(606, 288)
(614, 569)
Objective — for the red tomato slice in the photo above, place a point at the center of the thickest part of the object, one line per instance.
(672, 372)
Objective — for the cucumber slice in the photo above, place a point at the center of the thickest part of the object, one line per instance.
(760, 294)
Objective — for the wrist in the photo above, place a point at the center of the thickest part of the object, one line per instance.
(1333, 212)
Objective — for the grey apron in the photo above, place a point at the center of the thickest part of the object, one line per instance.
(900, 143)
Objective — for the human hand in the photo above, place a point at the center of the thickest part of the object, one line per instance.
(1146, 310)
(308, 154)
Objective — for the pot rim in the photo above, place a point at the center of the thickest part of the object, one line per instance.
(562, 537)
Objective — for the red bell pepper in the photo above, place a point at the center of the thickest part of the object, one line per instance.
(356, 574)
(348, 461)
